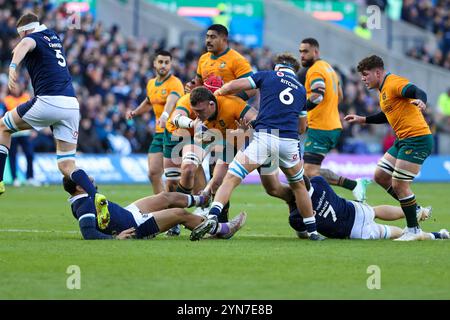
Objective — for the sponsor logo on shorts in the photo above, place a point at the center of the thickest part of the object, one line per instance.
(408, 151)
(75, 135)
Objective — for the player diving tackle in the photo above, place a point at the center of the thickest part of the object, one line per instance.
(144, 218)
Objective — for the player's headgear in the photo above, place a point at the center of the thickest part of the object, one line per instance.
(287, 60)
(212, 83)
(26, 22)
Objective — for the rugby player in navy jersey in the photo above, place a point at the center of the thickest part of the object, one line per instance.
(144, 218)
(54, 104)
(339, 218)
(275, 137)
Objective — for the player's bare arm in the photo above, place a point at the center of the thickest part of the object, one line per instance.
(143, 108)
(20, 51)
(168, 108)
(234, 87)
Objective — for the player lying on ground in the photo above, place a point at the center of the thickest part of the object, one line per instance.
(339, 218)
(144, 218)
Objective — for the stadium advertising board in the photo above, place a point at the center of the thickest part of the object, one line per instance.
(244, 19)
(117, 169)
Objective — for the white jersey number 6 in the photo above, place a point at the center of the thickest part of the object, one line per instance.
(286, 96)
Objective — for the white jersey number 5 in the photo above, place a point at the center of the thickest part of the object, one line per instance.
(286, 96)
(60, 57)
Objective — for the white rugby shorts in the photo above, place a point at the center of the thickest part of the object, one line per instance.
(365, 226)
(60, 113)
(265, 148)
(139, 218)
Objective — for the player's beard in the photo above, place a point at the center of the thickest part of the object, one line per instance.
(307, 63)
(162, 73)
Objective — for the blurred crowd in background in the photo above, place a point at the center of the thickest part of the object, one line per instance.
(434, 16)
(110, 73)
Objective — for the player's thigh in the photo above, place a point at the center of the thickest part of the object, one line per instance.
(153, 203)
(242, 165)
(288, 154)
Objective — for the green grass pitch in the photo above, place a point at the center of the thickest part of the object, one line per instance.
(39, 240)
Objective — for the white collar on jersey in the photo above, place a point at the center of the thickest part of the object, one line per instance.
(75, 198)
(311, 191)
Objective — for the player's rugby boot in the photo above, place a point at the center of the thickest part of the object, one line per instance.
(101, 206)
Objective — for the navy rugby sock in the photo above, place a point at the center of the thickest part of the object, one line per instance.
(80, 177)
(4, 150)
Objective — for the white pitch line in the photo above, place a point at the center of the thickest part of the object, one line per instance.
(251, 235)
(36, 231)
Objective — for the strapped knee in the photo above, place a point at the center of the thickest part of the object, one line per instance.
(191, 157)
(313, 158)
(386, 166)
(65, 155)
(403, 175)
(296, 177)
(172, 173)
(237, 169)
(9, 122)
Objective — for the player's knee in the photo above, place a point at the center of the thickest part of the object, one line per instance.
(380, 179)
(7, 124)
(165, 197)
(401, 188)
(179, 213)
(272, 191)
(155, 173)
(188, 169)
